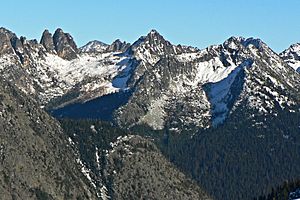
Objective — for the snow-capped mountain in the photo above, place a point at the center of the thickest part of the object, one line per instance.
(292, 56)
(158, 84)
(201, 88)
(100, 47)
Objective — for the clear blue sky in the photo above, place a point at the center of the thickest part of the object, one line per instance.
(197, 23)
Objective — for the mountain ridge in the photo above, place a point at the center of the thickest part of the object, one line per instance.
(59, 74)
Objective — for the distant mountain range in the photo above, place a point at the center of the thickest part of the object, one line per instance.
(158, 83)
(153, 86)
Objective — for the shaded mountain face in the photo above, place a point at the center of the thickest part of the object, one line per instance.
(127, 166)
(36, 159)
(229, 161)
(139, 170)
(292, 56)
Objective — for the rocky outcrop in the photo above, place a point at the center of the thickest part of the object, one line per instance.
(47, 41)
(118, 46)
(65, 45)
(5, 43)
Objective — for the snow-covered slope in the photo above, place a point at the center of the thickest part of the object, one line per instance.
(89, 73)
(50, 74)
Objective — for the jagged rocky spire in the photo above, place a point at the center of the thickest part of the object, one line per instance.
(47, 41)
(5, 43)
(64, 45)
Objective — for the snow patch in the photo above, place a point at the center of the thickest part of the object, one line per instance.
(104, 193)
(93, 129)
(219, 94)
(86, 172)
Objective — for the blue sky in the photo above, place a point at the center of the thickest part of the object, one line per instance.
(197, 23)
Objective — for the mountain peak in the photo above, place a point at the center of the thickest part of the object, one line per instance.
(7, 32)
(4, 30)
(64, 45)
(47, 41)
(236, 42)
(5, 41)
(292, 56)
(153, 32)
(236, 38)
(94, 46)
(258, 43)
(118, 45)
(59, 30)
(294, 48)
(46, 31)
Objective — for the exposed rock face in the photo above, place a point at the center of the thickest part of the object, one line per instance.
(5, 44)
(47, 41)
(161, 96)
(36, 161)
(64, 45)
(118, 46)
(11, 45)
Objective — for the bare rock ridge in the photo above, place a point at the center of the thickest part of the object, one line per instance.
(61, 44)
(100, 47)
(118, 46)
